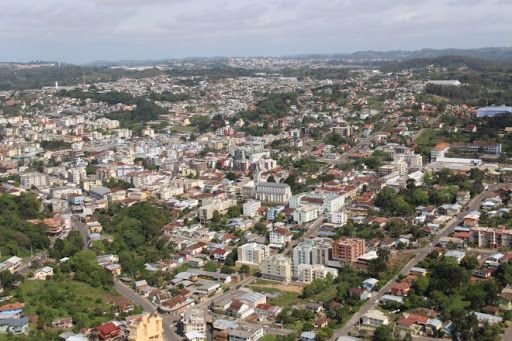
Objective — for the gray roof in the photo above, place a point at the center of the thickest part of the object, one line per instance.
(273, 184)
(100, 190)
(12, 322)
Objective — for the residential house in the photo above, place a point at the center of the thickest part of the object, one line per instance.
(374, 318)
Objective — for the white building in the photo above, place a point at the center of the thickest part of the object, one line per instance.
(307, 272)
(194, 321)
(375, 318)
(273, 192)
(206, 212)
(280, 236)
(33, 179)
(311, 252)
(324, 202)
(246, 334)
(337, 217)
(251, 207)
(277, 268)
(305, 214)
(252, 254)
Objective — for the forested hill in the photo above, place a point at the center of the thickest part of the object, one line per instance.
(13, 78)
(490, 53)
(455, 62)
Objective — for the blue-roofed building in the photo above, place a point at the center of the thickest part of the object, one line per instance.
(14, 325)
(493, 111)
(491, 319)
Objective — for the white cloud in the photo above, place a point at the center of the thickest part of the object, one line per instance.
(82, 30)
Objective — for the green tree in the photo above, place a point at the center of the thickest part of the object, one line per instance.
(382, 333)
(469, 262)
(211, 266)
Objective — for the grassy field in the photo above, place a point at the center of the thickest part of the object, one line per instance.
(286, 299)
(431, 138)
(183, 129)
(47, 300)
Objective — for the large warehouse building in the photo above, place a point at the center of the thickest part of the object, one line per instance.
(493, 111)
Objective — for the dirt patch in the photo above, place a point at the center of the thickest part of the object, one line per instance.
(283, 287)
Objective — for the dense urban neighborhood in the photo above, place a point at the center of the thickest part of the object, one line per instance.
(246, 199)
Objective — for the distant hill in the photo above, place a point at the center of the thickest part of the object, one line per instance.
(491, 53)
(453, 61)
(13, 77)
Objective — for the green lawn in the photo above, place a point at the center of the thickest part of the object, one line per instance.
(286, 299)
(183, 129)
(260, 281)
(326, 296)
(297, 325)
(265, 290)
(269, 338)
(431, 137)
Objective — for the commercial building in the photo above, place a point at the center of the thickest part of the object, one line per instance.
(493, 111)
(145, 327)
(439, 150)
(277, 268)
(324, 202)
(488, 147)
(273, 192)
(348, 249)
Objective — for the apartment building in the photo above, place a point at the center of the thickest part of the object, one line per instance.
(194, 321)
(491, 237)
(251, 207)
(307, 273)
(348, 249)
(305, 214)
(206, 212)
(337, 217)
(252, 254)
(277, 268)
(33, 179)
(311, 252)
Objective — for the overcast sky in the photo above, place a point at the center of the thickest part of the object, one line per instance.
(87, 30)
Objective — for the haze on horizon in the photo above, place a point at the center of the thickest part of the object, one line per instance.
(80, 31)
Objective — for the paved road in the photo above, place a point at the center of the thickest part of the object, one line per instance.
(421, 254)
(507, 335)
(25, 267)
(78, 225)
(168, 321)
(312, 230)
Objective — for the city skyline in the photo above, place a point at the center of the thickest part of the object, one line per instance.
(80, 32)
